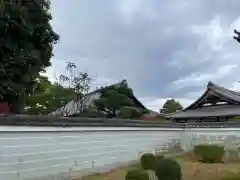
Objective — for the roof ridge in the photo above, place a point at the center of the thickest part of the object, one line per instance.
(224, 92)
(213, 87)
(103, 87)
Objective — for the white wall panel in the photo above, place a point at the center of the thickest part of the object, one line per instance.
(33, 152)
(29, 153)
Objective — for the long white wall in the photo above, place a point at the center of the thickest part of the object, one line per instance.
(33, 152)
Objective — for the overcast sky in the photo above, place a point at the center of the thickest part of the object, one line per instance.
(165, 49)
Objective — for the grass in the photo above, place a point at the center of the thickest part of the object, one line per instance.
(190, 169)
(116, 174)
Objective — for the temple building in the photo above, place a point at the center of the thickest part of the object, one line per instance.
(72, 108)
(215, 104)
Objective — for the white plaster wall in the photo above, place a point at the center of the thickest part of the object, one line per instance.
(221, 136)
(72, 108)
(29, 152)
(33, 152)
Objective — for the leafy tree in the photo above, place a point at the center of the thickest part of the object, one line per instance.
(170, 106)
(26, 44)
(113, 98)
(91, 113)
(80, 83)
(130, 112)
(47, 97)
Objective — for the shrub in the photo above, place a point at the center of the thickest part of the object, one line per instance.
(209, 153)
(159, 156)
(237, 118)
(168, 169)
(148, 161)
(136, 175)
(130, 112)
(151, 174)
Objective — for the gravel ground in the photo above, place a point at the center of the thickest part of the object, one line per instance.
(191, 170)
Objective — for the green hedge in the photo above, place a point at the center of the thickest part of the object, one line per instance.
(237, 118)
(209, 153)
(159, 156)
(136, 175)
(148, 161)
(168, 169)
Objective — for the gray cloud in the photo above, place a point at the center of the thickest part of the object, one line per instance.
(153, 44)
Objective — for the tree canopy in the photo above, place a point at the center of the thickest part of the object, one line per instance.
(130, 112)
(115, 97)
(170, 106)
(26, 44)
(47, 97)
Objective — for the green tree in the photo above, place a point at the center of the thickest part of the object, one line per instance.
(170, 106)
(130, 112)
(26, 44)
(47, 97)
(113, 98)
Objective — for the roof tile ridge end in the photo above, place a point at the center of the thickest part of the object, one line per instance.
(210, 84)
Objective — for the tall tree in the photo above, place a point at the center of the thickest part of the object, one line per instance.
(80, 83)
(113, 98)
(170, 106)
(26, 44)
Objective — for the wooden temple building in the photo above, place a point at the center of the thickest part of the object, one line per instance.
(215, 104)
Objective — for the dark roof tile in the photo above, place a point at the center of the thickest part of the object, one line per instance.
(194, 110)
(211, 111)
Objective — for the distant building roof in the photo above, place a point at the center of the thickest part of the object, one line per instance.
(216, 101)
(211, 111)
(71, 107)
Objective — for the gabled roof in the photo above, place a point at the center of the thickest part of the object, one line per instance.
(218, 91)
(71, 106)
(210, 111)
(213, 91)
(117, 84)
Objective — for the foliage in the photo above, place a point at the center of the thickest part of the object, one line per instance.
(170, 106)
(113, 98)
(209, 153)
(47, 97)
(236, 118)
(26, 44)
(168, 169)
(136, 175)
(130, 112)
(148, 161)
(80, 83)
(159, 118)
(90, 113)
(159, 156)
(151, 174)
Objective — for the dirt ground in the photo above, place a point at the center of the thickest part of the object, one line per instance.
(191, 170)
